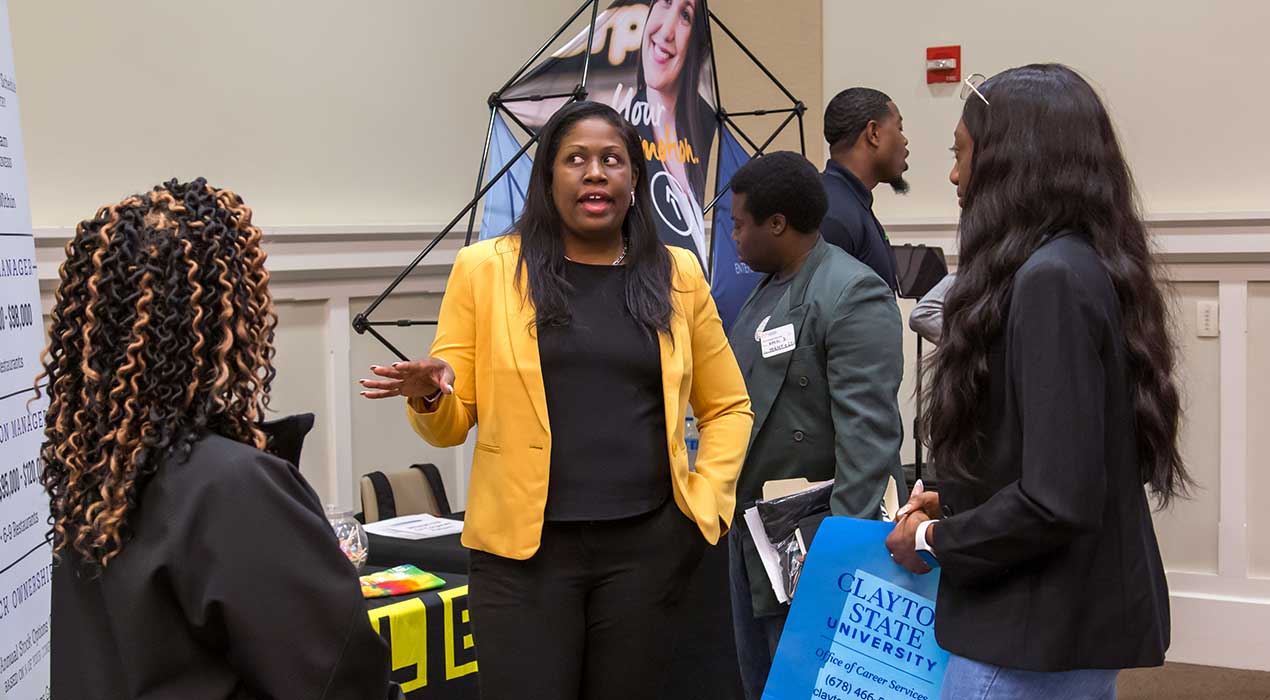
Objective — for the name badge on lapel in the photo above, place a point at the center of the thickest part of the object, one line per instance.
(777, 341)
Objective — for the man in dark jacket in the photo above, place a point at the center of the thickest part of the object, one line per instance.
(819, 345)
(867, 146)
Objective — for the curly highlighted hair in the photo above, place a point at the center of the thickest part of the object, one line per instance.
(162, 331)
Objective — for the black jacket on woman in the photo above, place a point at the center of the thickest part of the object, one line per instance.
(1049, 561)
(232, 586)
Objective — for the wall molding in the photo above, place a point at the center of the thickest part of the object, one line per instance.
(1224, 237)
(1219, 618)
(364, 252)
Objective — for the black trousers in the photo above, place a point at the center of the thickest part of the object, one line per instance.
(590, 615)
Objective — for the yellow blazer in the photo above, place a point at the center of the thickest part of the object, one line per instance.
(484, 332)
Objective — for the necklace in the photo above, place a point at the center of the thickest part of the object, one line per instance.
(617, 261)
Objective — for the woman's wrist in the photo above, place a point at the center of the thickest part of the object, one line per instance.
(925, 536)
(424, 404)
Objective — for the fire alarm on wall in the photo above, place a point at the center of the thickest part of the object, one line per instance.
(943, 64)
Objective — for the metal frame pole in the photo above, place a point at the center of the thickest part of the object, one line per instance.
(362, 323)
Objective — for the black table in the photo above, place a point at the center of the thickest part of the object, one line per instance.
(704, 664)
(430, 638)
(434, 554)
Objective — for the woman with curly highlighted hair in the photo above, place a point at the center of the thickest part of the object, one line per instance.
(168, 512)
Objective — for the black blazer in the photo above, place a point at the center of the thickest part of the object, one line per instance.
(1050, 560)
(232, 586)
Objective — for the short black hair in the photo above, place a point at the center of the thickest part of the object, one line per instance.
(786, 183)
(851, 110)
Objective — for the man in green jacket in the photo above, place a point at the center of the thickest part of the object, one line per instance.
(819, 344)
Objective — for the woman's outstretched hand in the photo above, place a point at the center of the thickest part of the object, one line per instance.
(419, 379)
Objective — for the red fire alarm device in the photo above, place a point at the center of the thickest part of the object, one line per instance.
(943, 64)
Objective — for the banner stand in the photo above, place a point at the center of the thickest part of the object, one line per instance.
(363, 322)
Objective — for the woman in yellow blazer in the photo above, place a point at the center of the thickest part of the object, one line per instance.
(575, 346)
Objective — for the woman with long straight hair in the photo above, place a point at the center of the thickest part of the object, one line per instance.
(1053, 403)
(579, 340)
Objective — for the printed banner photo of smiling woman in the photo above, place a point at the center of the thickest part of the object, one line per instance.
(651, 62)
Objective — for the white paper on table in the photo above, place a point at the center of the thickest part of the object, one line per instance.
(415, 527)
(766, 552)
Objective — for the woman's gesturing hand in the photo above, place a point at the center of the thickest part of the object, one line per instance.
(418, 379)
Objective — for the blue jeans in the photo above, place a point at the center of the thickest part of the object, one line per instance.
(756, 637)
(973, 680)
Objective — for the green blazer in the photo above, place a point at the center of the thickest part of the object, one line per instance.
(828, 409)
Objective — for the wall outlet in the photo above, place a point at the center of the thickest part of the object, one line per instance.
(1207, 319)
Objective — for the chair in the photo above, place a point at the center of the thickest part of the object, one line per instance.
(412, 491)
(286, 435)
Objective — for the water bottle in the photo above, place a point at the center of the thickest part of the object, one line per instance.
(692, 439)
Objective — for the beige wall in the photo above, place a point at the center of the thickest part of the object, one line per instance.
(1181, 78)
(1188, 531)
(359, 128)
(1259, 428)
(317, 112)
(791, 49)
(381, 439)
(300, 384)
(335, 118)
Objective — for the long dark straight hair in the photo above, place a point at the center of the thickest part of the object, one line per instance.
(688, 123)
(1046, 159)
(648, 263)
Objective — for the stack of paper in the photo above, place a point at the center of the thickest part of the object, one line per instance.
(415, 527)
